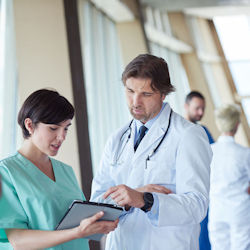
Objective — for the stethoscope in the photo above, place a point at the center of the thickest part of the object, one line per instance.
(117, 156)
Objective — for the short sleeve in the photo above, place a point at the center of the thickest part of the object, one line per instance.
(12, 214)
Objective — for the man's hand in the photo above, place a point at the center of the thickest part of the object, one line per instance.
(125, 196)
(154, 188)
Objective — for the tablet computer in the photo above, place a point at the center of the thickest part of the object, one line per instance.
(80, 210)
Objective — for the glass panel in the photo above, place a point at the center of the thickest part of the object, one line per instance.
(234, 33)
(206, 66)
(241, 74)
(211, 84)
(176, 70)
(246, 107)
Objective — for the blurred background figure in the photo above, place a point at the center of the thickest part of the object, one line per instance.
(195, 108)
(194, 111)
(229, 215)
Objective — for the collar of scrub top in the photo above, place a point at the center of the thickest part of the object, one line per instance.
(226, 138)
(148, 124)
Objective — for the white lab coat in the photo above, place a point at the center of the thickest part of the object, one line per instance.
(229, 214)
(180, 164)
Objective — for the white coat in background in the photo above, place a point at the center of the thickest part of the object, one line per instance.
(181, 164)
(229, 214)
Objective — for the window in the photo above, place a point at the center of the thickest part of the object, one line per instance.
(234, 34)
(159, 24)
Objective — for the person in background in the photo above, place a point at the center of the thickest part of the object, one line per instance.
(194, 111)
(37, 189)
(149, 167)
(229, 214)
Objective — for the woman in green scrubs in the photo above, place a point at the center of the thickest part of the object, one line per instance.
(36, 189)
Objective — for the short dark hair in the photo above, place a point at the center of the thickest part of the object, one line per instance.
(151, 67)
(193, 94)
(46, 106)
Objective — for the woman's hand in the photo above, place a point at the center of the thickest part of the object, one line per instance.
(91, 225)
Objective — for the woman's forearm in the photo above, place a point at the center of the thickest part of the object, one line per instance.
(25, 239)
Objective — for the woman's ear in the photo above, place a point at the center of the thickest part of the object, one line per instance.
(29, 125)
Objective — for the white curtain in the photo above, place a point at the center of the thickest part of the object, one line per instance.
(106, 104)
(8, 80)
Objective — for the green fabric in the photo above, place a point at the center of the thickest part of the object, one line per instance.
(31, 200)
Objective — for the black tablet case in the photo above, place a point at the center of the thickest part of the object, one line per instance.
(80, 210)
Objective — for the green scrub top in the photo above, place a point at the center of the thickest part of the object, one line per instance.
(31, 200)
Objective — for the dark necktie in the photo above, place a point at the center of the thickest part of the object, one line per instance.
(142, 131)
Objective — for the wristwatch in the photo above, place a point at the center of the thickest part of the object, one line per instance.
(149, 201)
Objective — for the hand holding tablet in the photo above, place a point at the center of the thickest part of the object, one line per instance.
(80, 210)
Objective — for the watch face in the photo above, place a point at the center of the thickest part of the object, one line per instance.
(148, 198)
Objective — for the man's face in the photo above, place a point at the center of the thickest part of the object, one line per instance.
(144, 103)
(195, 109)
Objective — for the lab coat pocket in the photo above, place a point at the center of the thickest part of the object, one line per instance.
(161, 173)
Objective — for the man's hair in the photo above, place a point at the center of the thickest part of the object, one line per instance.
(46, 106)
(150, 67)
(193, 94)
(227, 117)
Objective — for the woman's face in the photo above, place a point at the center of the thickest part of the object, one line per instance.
(48, 138)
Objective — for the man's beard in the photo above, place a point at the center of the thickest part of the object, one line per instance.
(140, 117)
(195, 119)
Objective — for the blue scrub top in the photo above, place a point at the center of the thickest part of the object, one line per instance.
(31, 200)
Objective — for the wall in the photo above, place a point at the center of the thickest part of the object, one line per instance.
(43, 62)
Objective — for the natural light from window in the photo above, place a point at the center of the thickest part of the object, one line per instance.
(234, 34)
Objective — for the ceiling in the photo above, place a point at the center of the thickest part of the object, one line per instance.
(202, 8)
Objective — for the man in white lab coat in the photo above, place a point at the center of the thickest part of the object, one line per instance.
(229, 214)
(156, 166)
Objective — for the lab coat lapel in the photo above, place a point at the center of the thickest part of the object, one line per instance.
(155, 133)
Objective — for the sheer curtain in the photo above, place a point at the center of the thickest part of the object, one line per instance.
(8, 80)
(107, 108)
